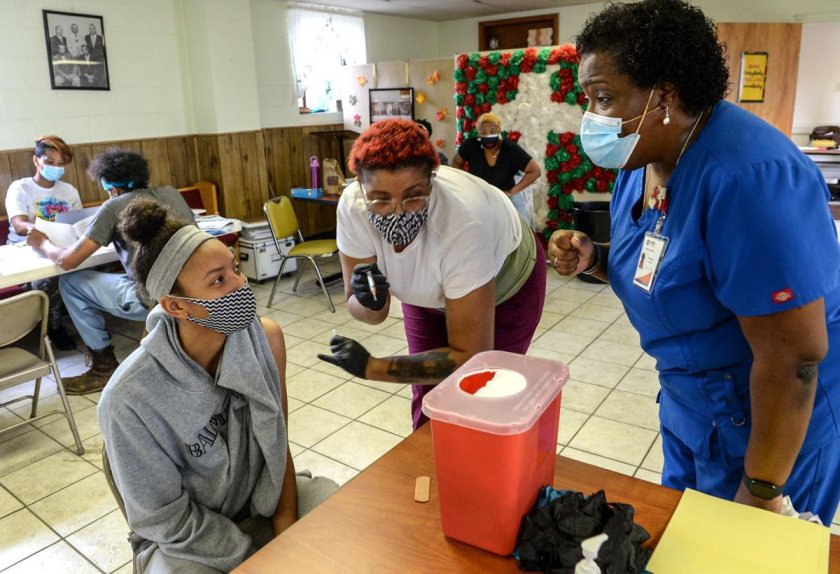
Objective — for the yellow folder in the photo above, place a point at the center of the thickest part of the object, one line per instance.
(707, 534)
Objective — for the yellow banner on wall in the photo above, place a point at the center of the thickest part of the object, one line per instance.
(753, 78)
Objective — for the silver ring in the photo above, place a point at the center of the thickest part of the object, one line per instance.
(554, 262)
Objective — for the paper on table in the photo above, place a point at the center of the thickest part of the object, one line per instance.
(708, 534)
(208, 222)
(60, 234)
(82, 225)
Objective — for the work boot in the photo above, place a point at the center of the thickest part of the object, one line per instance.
(61, 339)
(102, 365)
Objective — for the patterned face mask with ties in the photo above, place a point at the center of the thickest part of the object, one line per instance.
(400, 228)
(229, 314)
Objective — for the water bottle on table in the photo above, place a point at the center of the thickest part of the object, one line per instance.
(315, 172)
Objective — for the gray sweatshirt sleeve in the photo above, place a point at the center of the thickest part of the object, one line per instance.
(158, 508)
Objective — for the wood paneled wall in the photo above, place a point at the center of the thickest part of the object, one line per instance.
(287, 158)
(781, 42)
(247, 168)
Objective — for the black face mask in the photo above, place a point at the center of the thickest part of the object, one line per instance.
(489, 142)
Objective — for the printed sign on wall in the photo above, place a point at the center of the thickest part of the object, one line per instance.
(753, 78)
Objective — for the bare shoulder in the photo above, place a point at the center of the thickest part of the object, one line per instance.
(274, 334)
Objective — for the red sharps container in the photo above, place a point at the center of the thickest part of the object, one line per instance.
(494, 428)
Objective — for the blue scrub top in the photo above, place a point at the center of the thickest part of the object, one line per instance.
(750, 233)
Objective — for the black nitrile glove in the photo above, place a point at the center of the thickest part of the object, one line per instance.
(347, 354)
(361, 286)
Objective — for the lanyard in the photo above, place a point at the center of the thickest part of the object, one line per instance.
(654, 244)
(659, 198)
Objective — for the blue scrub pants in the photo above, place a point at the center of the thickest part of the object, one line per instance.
(814, 484)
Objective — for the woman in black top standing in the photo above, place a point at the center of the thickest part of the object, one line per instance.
(497, 160)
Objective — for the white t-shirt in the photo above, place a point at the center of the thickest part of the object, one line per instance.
(471, 229)
(25, 197)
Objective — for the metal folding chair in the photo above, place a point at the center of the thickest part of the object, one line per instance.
(19, 315)
(283, 223)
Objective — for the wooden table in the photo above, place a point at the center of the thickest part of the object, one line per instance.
(340, 136)
(316, 216)
(373, 524)
(22, 264)
(324, 199)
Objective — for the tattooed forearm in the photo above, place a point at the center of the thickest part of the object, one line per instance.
(422, 367)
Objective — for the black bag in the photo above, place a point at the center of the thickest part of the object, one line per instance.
(826, 133)
(550, 536)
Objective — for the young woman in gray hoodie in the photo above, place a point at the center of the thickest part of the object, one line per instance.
(194, 420)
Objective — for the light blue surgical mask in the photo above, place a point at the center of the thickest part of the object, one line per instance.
(602, 141)
(52, 172)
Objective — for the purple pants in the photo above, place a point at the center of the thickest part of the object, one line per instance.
(516, 320)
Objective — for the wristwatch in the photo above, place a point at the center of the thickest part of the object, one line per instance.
(761, 489)
(595, 264)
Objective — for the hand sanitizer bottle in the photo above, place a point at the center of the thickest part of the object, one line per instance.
(590, 548)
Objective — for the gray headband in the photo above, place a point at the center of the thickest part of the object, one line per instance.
(171, 260)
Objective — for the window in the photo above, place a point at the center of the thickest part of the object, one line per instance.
(321, 43)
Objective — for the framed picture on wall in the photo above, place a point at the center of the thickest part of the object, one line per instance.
(391, 103)
(76, 51)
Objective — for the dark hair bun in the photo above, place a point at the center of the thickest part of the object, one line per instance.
(142, 220)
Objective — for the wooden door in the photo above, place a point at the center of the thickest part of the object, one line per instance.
(781, 43)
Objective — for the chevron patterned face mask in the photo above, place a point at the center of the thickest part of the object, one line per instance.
(229, 314)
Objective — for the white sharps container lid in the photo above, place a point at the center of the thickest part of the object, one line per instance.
(497, 392)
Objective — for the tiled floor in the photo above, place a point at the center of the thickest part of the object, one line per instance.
(57, 514)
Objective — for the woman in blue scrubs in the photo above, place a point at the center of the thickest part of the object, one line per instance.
(725, 256)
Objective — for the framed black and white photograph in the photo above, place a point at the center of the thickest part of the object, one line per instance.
(76, 51)
(391, 103)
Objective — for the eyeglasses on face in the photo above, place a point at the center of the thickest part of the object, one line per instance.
(388, 206)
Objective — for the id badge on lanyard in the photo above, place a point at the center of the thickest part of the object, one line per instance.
(653, 246)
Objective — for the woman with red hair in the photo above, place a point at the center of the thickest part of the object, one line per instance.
(452, 248)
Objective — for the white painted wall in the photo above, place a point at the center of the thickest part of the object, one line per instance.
(818, 85)
(187, 66)
(223, 41)
(392, 39)
(275, 80)
(387, 39)
(144, 62)
(458, 36)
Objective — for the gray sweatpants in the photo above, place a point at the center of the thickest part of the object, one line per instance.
(311, 492)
